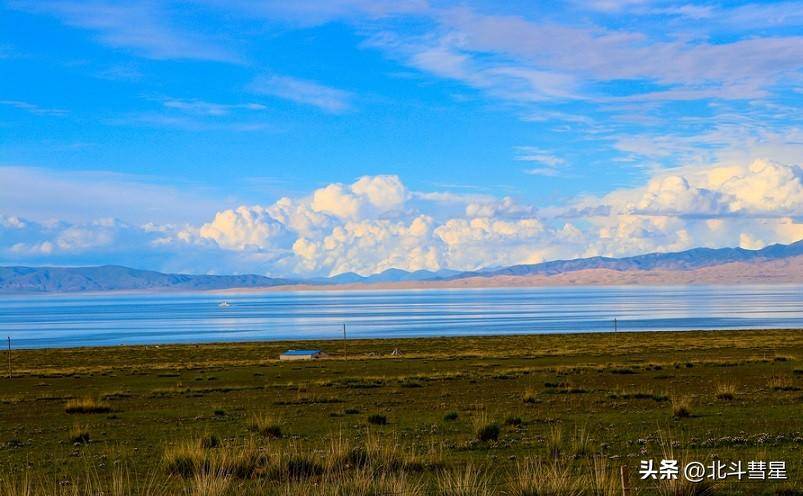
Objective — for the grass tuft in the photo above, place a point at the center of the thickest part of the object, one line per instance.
(79, 434)
(554, 441)
(681, 406)
(533, 478)
(87, 405)
(469, 481)
(210, 441)
(265, 425)
(581, 442)
(726, 391)
(782, 383)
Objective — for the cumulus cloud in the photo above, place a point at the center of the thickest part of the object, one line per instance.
(243, 228)
(376, 223)
(368, 195)
(674, 195)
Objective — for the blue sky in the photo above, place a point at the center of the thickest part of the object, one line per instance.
(166, 134)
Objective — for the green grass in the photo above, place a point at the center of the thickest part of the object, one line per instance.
(581, 404)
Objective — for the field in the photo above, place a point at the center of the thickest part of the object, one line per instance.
(515, 415)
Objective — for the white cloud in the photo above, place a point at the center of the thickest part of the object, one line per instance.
(673, 195)
(507, 207)
(302, 91)
(243, 228)
(375, 223)
(209, 108)
(371, 246)
(533, 154)
(369, 195)
(142, 27)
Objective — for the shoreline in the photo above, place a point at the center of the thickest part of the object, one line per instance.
(398, 286)
(288, 343)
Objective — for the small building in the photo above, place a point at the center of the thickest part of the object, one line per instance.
(301, 355)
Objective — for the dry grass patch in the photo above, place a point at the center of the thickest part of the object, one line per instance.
(603, 478)
(531, 477)
(782, 383)
(362, 483)
(468, 481)
(554, 441)
(190, 458)
(87, 405)
(380, 455)
(681, 406)
(265, 425)
(726, 391)
(581, 442)
(79, 434)
(484, 428)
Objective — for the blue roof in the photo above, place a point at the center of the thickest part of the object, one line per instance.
(301, 352)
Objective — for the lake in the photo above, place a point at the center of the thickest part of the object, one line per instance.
(113, 319)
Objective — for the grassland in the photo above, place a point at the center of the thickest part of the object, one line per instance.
(515, 415)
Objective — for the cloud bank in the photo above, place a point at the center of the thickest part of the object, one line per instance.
(376, 223)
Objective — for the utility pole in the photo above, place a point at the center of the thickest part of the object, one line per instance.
(345, 340)
(9, 357)
(615, 325)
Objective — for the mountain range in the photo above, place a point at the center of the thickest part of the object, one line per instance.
(774, 263)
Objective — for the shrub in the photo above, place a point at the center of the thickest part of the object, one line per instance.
(87, 405)
(377, 419)
(351, 411)
(265, 425)
(450, 417)
(219, 412)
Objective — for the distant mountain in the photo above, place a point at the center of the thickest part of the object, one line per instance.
(390, 275)
(685, 260)
(117, 278)
(782, 263)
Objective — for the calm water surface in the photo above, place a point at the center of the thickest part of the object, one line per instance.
(71, 320)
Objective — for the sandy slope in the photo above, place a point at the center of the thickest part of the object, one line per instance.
(788, 270)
